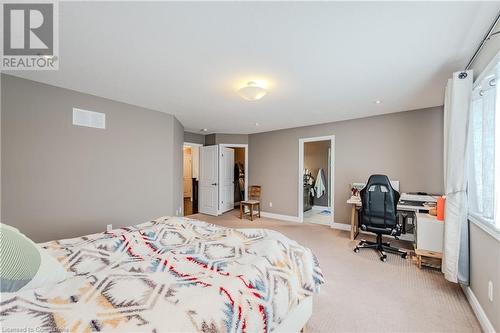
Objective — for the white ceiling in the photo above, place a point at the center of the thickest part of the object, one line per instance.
(327, 61)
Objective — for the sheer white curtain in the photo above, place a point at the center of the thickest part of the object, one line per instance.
(456, 123)
(482, 182)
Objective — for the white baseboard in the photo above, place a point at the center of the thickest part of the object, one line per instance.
(481, 316)
(281, 217)
(341, 226)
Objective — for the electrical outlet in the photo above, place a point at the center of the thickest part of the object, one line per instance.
(109, 227)
(270, 204)
(490, 291)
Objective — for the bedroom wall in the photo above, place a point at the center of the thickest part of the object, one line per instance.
(194, 138)
(61, 180)
(218, 138)
(231, 138)
(407, 146)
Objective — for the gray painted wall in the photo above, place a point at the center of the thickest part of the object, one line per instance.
(231, 138)
(194, 138)
(484, 249)
(484, 267)
(407, 146)
(61, 180)
(210, 140)
(217, 138)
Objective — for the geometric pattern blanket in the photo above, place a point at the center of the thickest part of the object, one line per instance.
(169, 275)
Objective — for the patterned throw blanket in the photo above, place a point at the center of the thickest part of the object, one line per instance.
(171, 274)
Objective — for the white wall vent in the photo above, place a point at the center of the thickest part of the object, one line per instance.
(89, 118)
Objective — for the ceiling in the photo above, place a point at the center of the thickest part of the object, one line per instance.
(325, 61)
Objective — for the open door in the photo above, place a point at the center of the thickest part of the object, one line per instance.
(226, 177)
(208, 185)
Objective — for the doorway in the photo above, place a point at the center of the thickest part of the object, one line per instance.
(233, 176)
(316, 180)
(223, 177)
(190, 178)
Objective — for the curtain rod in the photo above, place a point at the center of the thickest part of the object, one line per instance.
(485, 39)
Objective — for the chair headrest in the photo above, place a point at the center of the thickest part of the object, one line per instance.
(379, 179)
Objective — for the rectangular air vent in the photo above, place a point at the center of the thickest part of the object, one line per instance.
(89, 118)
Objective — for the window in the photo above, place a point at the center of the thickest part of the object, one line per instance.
(484, 148)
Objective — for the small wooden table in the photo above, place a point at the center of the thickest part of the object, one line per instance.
(355, 206)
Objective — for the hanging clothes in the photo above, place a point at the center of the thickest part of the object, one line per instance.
(239, 182)
(319, 185)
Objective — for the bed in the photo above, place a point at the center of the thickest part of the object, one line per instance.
(172, 275)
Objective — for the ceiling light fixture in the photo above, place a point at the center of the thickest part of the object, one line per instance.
(204, 129)
(256, 124)
(252, 91)
(378, 101)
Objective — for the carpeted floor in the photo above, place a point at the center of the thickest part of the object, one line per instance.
(363, 294)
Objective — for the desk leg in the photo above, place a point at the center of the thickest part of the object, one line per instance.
(354, 224)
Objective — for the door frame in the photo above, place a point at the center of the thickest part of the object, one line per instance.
(189, 144)
(237, 145)
(331, 188)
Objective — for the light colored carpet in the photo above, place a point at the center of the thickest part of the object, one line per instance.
(363, 294)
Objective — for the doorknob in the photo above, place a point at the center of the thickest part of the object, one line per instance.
(214, 184)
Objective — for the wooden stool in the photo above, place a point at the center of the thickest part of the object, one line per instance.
(254, 200)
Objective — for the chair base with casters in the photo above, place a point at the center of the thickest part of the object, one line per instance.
(380, 247)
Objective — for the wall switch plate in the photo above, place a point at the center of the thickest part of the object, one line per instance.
(490, 291)
(109, 227)
(270, 204)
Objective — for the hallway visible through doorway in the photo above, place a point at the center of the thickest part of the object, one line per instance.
(316, 180)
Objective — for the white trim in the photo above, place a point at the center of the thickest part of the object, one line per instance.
(288, 218)
(300, 201)
(490, 229)
(341, 226)
(481, 316)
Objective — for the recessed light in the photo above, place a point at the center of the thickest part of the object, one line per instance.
(204, 129)
(256, 124)
(378, 101)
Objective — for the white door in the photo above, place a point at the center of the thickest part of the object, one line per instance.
(208, 184)
(226, 177)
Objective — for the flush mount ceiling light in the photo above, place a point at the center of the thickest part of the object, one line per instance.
(252, 91)
(377, 101)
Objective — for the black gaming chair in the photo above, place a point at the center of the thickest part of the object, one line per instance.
(378, 215)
